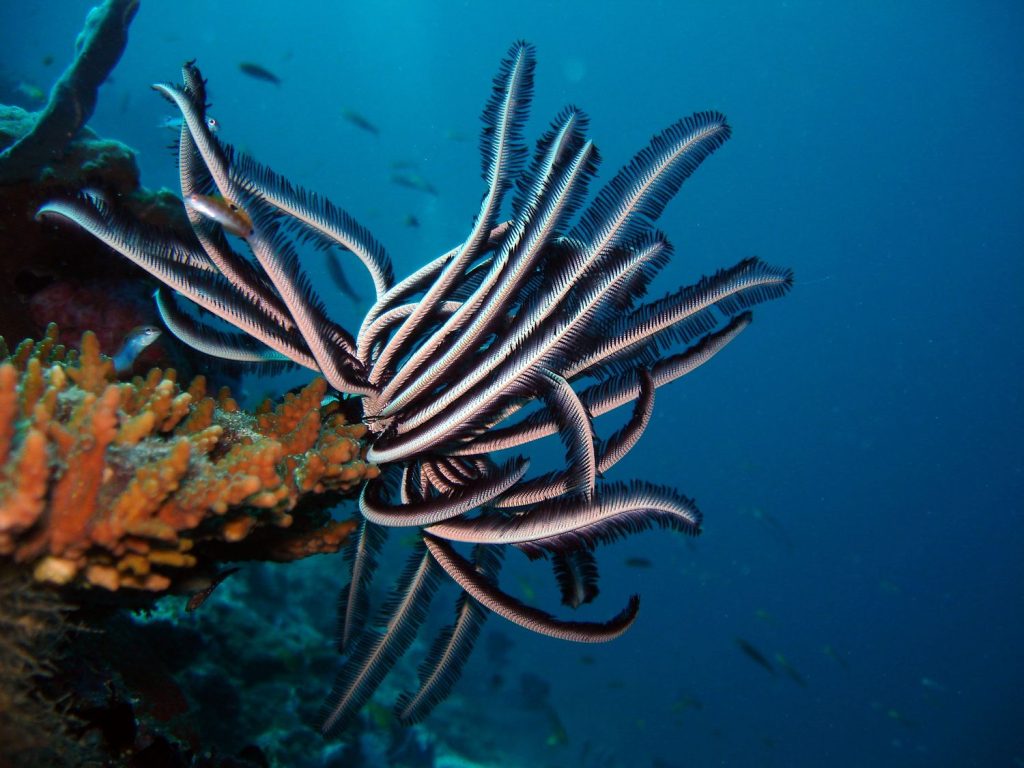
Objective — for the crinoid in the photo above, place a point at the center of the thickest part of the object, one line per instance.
(531, 327)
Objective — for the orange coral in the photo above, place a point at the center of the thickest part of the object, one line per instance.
(131, 484)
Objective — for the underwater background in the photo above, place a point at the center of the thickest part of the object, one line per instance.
(857, 454)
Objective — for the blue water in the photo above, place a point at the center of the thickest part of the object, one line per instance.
(856, 453)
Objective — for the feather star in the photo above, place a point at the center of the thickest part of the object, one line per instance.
(532, 326)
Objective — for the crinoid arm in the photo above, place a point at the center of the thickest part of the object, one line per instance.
(531, 326)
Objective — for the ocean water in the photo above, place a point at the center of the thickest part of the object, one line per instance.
(857, 453)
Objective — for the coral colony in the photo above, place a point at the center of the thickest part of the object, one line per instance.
(531, 327)
(128, 485)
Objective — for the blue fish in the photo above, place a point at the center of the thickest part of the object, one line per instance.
(137, 339)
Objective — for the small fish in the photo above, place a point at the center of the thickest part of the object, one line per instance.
(899, 717)
(829, 651)
(338, 277)
(411, 221)
(48, 59)
(684, 703)
(933, 685)
(454, 135)
(777, 529)
(638, 562)
(402, 165)
(557, 736)
(588, 660)
(175, 123)
(754, 654)
(136, 340)
(359, 121)
(31, 92)
(764, 616)
(790, 670)
(216, 208)
(257, 72)
(413, 181)
(201, 596)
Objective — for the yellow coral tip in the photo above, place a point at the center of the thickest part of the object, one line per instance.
(55, 570)
(103, 576)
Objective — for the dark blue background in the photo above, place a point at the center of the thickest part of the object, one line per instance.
(856, 453)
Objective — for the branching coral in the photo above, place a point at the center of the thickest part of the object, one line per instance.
(118, 484)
